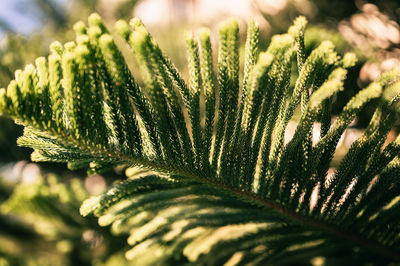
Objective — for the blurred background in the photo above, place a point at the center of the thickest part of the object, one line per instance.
(39, 203)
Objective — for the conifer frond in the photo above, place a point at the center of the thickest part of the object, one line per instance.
(242, 194)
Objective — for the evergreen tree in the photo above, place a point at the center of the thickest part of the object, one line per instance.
(215, 182)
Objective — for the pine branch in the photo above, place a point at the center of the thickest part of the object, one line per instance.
(239, 194)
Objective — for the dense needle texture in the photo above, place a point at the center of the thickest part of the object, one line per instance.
(217, 183)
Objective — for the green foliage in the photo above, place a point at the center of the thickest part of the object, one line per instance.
(17, 50)
(40, 225)
(241, 195)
